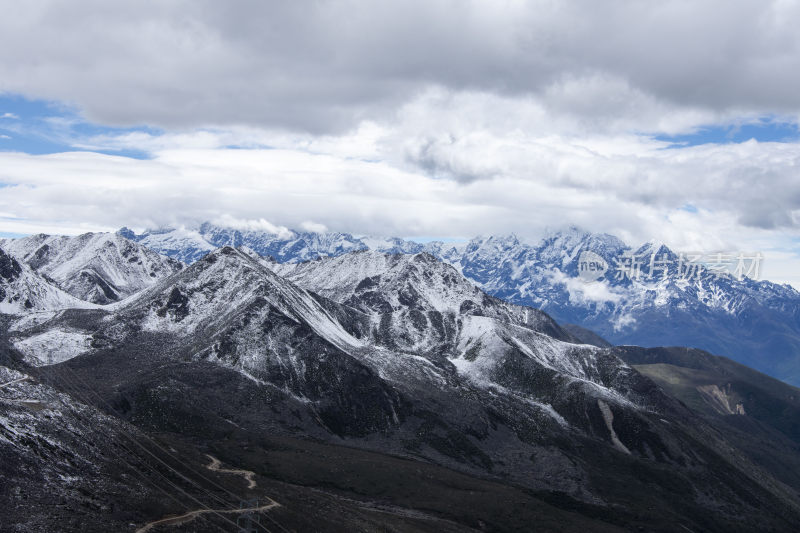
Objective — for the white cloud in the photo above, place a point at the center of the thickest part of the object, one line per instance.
(623, 321)
(9, 115)
(313, 227)
(540, 186)
(581, 291)
(260, 224)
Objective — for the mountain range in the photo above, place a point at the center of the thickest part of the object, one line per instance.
(754, 322)
(345, 388)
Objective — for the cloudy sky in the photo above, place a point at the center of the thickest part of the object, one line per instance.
(669, 120)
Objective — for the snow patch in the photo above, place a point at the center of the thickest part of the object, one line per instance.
(608, 418)
(53, 346)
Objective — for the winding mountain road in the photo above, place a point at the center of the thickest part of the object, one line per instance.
(247, 474)
(191, 515)
(214, 466)
(9, 383)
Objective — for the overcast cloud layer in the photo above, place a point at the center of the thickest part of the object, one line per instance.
(324, 66)
(434, 118)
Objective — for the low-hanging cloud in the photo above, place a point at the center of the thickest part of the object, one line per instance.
(536, 184)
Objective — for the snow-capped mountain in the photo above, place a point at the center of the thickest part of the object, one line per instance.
(189, 245)
(214, 293)
(419, 304)
(410, 303)
(95, 267)
(408, 321)
(23, 291)
(184, 245)
(754, 322)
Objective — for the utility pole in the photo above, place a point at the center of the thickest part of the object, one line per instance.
(249, 521)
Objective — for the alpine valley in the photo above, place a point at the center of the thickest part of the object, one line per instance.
(215, 379)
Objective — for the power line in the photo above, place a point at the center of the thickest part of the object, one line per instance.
(156, 445)
(80, 417)
(123, 432)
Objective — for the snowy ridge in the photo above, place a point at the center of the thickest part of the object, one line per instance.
(438, 286)
(96, 267)
(414, 299)
(542, 275)
(189, 245)
(419, 281)
(210, 292)
(401, 315)
(719, 314)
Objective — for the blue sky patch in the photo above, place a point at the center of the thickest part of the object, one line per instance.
(765, 129)
(43, 127)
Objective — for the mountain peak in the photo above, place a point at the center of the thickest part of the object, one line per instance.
(657, 248)
(573, 236)
(126, 233)
(492, 244)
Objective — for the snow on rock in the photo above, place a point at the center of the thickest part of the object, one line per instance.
(392, 245)
(377, 283)
(484, 342)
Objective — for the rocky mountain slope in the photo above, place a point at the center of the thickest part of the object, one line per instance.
(402, 357)
(759, 413)
(66, 466)
(96, 267)
(717, 386)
